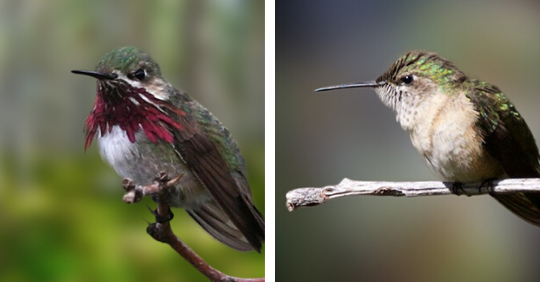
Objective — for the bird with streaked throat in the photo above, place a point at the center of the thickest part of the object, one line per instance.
(145, 126)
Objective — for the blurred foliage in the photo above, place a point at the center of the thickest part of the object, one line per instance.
(325, 137)
(61, 213)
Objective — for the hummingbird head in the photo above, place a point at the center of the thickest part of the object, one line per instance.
(414, 78)
(131, 94)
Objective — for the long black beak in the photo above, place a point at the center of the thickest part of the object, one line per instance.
(352, 85)
(98, 75)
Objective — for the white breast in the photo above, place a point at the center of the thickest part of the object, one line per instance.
(116, 148)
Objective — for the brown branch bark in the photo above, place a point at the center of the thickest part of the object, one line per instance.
(305, 197)
(161, 230)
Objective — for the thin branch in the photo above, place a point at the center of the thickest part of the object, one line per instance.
(161, 230)
(304, 197)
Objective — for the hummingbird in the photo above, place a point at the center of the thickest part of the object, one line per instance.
(466, 129)
(145, 126)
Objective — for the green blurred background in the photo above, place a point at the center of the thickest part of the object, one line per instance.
(324, 137)
(61, 212)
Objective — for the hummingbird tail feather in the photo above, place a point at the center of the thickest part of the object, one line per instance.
(524, 205)
(216, 222)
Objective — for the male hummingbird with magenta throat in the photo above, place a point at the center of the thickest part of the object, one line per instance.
(466, 129)
(145, 126)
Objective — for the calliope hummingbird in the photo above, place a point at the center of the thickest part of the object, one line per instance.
(144, 126)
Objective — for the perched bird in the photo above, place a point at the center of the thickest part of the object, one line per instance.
(466, 129)
(145, 126)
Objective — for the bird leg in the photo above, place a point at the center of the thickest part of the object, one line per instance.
(457, 188)
(162, 183)
(489, 184)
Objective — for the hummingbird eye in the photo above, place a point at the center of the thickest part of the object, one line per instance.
(407, 79)
(139, 74)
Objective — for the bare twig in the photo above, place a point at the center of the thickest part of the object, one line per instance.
(304, 197)
(161, 230)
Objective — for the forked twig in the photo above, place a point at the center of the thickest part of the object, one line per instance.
(161, 230)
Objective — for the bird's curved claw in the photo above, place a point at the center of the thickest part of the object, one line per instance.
(165, 182)
(161, 218)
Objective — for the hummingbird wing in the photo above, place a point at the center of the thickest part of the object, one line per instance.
(508, 139)
(216, 222)
(211, 154)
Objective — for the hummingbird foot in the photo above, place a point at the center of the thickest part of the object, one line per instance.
(133, 194)
(158, 190)
(457, 188)
(488, 183)
(164, 180)
(162, 216)
(160, 185)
